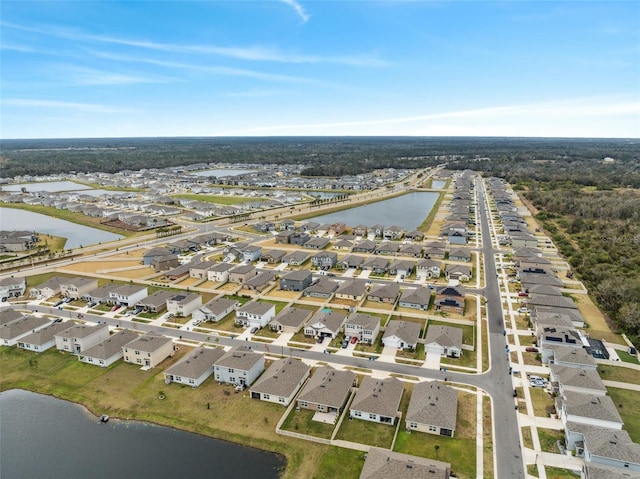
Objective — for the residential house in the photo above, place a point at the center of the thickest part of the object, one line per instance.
(296, 258)
(414, 235)
(608, 447)
(215, 310)
(460, 254)
(428, 268)
(377, 231)
(287, 224)
(100, 295)
(353, 290)
(592, 470)
(281, 381)
(376, 265)
(12, 332)
(149, 350)
(377, 400)
(435, 250)
(127, 294)
(76, 287)
(387, 248)
(290, 320)
(201, 270)
(325, 324)
(8, 315)
(12, 287)
(42, 339)
(458, 272)
(586, 381)
(255, 314)
(364, 246)
(363, 326)
(80, 337)
(414, 250)
(444, 340)
(316, 243)
(194, 368)
(242, 273)
(250, 253)
(327, 390)
(284, 236)
(183, 304)
(325, 260)
(415, 298)
(322, 288)
(386, 293)
(549, 337)
(219, 272)
(360, 230)
(343, 244)
(296, 280)
(49, 288)
(401, 267)
(273, 256)
(457, 237)
(239, 366)
(401, 334)
(573, 358)
(150, 255)
(433, 409)
(450, 299)
(260, 281)
(167, 262)
(384, 464)
(590, 409)
(108, 351)
(350, 261)
(156, 302)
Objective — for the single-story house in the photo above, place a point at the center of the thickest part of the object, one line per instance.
(353, 290)
(156, 302)
(458, 272)
(377, 400)
(383, 463)
(401, 334)
(325, 323)
(281, 381)
(460, 254)
(586, 381)
(590, 409)
(609, 447)
(416, 298)
(42, 339)
(433, 409)
(322, 288)
(194, 368)
(12, 332)
(273, 256)
(327, 390)
(386, 293)
(242, 273)
(108, 351)
(350, 261)
(296, 258)
(260, 281)
(376, 265)
(444, 340)
(290, 320)
(214, 310)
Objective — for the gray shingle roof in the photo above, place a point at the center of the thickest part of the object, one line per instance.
(196, 363)
(590, 406)
(433, 404)
(352, 288)
(367, 321)
(148, 343)
(444, 336)
(573, 356)
(80, 330)
(292, 317)
(420, 296)
(578, 377)
(256, 307)
(45, 334)
(385, 464)
(328, 386)
(21, 326)
(378, 396)
(408, 331)
(218, 305)
(239, 358)
(282, 378)
(110, 346)
(607, 442)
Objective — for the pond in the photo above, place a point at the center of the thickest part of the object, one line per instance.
(50, 186)
(438, 184)
(46, 437)
(77, 235)
(407, 211)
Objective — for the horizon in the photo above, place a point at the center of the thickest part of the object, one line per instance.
(296, 68)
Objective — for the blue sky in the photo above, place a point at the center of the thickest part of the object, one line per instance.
(295, 67)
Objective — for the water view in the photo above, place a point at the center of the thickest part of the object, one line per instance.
(49, 438)
(220, 172)
(50, 186)
(407, 211)
(438, 184)
(77, 235)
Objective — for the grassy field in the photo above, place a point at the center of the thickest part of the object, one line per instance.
(302, 422)
(627, 403)
(339, 462)
(557, 473)
(460, 450)
(627, 358)
(366, 432)
(541, 401)
(218, 199)
(548, 439)
(621, 374)
(125, 391)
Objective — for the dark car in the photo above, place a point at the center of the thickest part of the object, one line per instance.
(531, 349)
(344, 344)
(254, 330)
(57, 320)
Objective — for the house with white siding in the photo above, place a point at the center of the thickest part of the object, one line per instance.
(12, 332)
(377, 400)
(239, 366)
(281, 381)
(107, 352)
(80, 337)
(149, 350)
(194, 368)
(42, 339)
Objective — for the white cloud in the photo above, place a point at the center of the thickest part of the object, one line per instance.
(63, 105)
(298, 9)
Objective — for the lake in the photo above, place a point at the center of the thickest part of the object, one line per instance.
(220, 172)
(49, 438)
(77, 235)
(407, 211)
(50, 186)
(438, 184)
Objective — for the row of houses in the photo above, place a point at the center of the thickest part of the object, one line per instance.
(17, 241)
(458, 223)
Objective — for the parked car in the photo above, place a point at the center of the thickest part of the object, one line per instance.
(523, 310)
(92, 304)
(57, 320)
(67, 300)
(523, 293)
(59, 303)
(344, 344)
(354, 339)
(254, 330)
(531, 349)
(115, 307)
(320, 339)
(168, 316)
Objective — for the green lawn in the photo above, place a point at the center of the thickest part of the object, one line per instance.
(467, 330)
(340, 462)
(548, 438)
(220, 200)
(366, 432)
(542, 401)
(621, 374)
(557, 473)
(627, 358)
(627, 403)
(302, 422)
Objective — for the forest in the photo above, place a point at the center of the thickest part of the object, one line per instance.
(323, 156)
